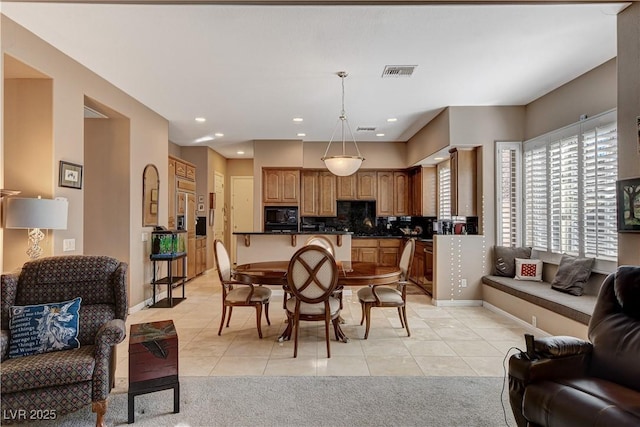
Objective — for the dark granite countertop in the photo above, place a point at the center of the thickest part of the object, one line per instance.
(288, 233)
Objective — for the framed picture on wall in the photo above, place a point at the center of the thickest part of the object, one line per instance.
(628, 194)
(70, 175)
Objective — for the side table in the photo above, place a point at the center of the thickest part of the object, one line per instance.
(170, 280)
(153, 362)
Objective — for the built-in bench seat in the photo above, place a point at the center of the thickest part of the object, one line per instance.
(537, 304)
(540, 293)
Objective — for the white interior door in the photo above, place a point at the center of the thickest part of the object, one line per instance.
(241, 208)
(220, 211)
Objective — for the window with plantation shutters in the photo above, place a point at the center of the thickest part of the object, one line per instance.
(444, 190)
(508, 184)
(569, 202)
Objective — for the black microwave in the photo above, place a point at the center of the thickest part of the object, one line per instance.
(281, 218)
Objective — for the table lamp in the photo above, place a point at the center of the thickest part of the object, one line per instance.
(34, 215)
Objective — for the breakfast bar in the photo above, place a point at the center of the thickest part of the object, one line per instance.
(254, 247)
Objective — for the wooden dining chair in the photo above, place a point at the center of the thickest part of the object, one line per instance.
(323, 242)
(385, 296)
(239, 294)
(312, 277)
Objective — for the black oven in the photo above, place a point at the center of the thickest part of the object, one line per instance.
(281, 218)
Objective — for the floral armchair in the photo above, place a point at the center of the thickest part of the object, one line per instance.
(53, 383)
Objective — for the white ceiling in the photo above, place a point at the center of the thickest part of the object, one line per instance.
(249, 70)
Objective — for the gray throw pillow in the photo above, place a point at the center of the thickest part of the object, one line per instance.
(572, 274)
(505, 259)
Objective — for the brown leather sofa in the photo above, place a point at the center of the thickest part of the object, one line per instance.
(571, 382)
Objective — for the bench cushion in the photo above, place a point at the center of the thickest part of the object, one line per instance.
(540, 293)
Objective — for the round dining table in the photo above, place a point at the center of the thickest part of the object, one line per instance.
(350, 273)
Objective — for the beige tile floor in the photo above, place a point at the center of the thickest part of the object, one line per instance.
(462, 341)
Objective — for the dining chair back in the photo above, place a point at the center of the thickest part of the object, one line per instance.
(385, 296)
(235, 293)
(312, 277)
(323, 242)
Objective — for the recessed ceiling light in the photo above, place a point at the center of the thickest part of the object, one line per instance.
(298, 119)
(392, 119)
(438, 158)
(204, 139)
(200, 119)
(379, 134)
(302, 134)
(240, 152)
(219, 135)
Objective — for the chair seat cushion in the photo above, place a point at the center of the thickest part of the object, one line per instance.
(387, 295)
(48, 369)
(313, 309)
(240, 293)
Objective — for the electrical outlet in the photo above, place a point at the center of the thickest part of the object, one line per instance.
(145, 236)
(463, 283)
(534, 321)
(68, 245)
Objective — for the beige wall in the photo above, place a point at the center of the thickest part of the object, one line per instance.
(106, 184)
(377, 155)
(430, 139)
(240, 167)
(628, 110)
(28, 132)
(148, 142)
(592, 93)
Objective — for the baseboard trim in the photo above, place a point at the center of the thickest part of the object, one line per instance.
(456, 303)
(525, 325)
(147, 303)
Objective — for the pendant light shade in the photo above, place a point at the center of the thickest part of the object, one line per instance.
(344, 164)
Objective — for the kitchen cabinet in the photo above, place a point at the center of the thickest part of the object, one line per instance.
(182, 202)
(463, 166)
(381, 251)
(346, 188)
(366, 185)
(317, 193)
(171, 203)
(280, 186)
(422, 266)
(423, 191)
(362, 185)
(401, 193)
(191, 235)
(389, 251)
(201, 255)
(384, 200)
(364, 250)
(393, 193)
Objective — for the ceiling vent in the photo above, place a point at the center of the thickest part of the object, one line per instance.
(365, 129)
(398, 70)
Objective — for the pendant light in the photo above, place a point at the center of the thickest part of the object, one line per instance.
(343, 165)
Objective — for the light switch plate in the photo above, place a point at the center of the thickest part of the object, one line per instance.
(68, 245)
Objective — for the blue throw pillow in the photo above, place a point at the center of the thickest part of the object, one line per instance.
(44, 327)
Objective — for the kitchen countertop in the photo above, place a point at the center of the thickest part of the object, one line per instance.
(287, 233)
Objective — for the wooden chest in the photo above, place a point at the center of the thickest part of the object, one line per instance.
(153, 351)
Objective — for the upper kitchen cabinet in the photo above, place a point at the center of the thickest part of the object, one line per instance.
(318, 193)
(361, 185)
(422, 187)
(393, 193)
(280, 186)
(463, 182)
(366, 187)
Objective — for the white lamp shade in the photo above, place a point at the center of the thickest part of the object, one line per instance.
(36, 213)
(343, 165)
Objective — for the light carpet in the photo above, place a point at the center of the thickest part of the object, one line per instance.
(314, 401)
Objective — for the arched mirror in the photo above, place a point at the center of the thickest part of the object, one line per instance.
(150, 194)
